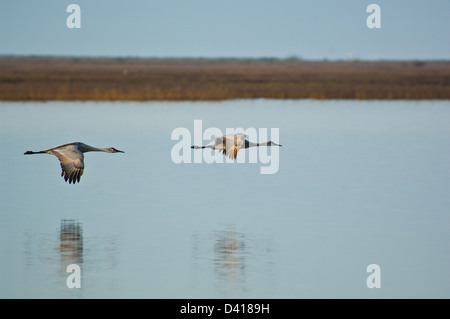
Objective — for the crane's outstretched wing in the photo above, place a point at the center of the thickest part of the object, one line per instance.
(232, 143)
(72, 164)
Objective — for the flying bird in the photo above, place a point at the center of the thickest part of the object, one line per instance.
(230, 144)
(72, 159)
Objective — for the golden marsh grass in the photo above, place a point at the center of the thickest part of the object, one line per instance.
(134, 79)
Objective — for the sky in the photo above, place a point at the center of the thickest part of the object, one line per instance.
(315, 30)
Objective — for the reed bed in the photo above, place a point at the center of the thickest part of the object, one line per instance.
(134, 79)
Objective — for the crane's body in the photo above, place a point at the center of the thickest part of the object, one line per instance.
(71, 158)
(230, 144)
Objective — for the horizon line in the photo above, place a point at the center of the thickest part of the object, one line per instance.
(242, 58)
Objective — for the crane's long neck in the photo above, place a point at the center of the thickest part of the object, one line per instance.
(265, 144)
(251, 144)
(87, 148)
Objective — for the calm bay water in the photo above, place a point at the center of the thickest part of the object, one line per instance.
(359, 183)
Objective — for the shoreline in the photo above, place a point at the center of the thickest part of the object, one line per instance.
(156, 79)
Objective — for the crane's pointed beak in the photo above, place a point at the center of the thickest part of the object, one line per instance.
(119, 151)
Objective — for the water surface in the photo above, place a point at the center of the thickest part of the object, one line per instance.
(359, 183)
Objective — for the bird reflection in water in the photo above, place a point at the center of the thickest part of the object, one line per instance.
(71, 242)
(237, 260)
(229, 259)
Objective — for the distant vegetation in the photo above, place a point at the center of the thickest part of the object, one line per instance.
(75, 78)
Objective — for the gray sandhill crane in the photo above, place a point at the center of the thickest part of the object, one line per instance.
(230, 144)
(72, 158)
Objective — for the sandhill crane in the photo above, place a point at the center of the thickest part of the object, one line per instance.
(230, 144)
(71, 158)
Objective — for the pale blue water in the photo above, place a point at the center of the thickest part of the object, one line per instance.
(359, 183)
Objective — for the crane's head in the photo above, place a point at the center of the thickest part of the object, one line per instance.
(270, 143)
(114, 150)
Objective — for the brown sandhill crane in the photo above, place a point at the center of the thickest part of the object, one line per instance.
(72, 158)
(230, 144)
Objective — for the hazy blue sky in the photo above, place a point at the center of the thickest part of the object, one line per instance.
(312, 29)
